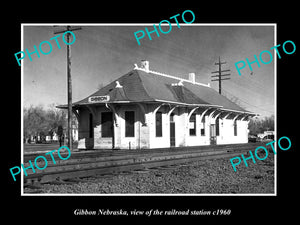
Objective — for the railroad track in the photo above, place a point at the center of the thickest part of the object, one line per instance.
(85, 164)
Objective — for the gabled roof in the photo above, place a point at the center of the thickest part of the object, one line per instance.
(141, 86)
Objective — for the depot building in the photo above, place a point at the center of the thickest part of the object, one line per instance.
(146, 109)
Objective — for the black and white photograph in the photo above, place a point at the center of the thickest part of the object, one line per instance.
(150, 115)
(166, 115)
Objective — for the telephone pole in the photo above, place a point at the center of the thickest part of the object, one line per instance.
(69, 82)
(220, 75)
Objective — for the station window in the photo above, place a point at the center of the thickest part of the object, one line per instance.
(172, 117)
(202, 126)
(192, 125)
(218, 127)
(235, 128)
(202, 129)
(91, 128)
(129, 123)
(107, 124)
(158, 124)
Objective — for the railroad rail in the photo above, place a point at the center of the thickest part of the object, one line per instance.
(99, 162)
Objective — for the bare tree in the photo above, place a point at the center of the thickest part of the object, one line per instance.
(41, 122)
(257, 126)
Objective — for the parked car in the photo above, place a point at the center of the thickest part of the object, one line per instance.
(252, 138)
(267, 138)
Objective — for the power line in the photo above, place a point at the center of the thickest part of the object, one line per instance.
(220, 75)
(251, 92)
(258, 85)
(239, 99)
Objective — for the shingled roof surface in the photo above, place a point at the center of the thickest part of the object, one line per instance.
(139, 86)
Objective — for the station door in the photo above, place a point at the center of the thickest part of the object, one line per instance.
(212, 134)
(107, 129)
(172, 131)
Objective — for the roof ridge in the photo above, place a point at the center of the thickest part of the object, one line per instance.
(171, 76)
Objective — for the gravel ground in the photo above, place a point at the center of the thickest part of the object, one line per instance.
(214, 176)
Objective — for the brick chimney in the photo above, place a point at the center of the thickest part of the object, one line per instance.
(192, 78)
(145, 65)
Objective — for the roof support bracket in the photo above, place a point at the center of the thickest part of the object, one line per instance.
(245, 116)
(157, 108)
(225, 117)
(171, 110)
(241, 116)
(192, 111)
(211, 114)
(143, 110)
(75, 113)
(203, 113)
(216, 117)
(92, 110)
(115, 113)
(235, 117)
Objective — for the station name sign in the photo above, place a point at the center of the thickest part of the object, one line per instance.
(95, 99)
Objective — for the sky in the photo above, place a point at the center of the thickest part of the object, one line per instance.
(102, 53)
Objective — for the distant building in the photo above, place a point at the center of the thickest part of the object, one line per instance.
(148, 109)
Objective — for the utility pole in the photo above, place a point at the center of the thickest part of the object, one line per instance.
(69, 82)
(220, 75)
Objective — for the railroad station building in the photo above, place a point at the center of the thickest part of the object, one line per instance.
(146, 109)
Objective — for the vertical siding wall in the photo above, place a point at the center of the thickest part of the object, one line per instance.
(145, 135)
(180, 127)
(227, 132)
(99, 141)
(182, 134)
(158, 142)
(141, 132)
(84, 142)
(198, 139)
